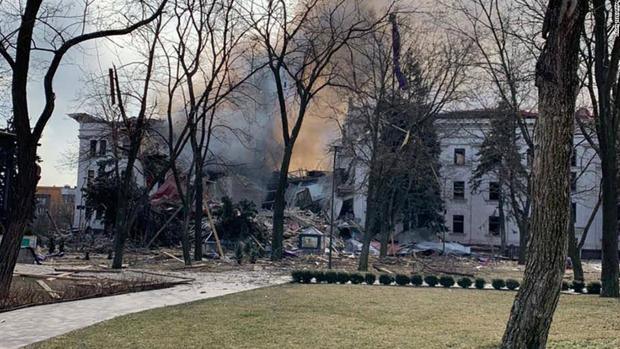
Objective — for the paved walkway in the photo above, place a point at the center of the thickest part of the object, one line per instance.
(26, 326)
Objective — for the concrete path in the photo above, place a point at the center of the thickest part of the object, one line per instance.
(30, 325)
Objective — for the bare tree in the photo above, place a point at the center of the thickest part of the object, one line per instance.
(17, 45)
(299, 44)
(558, 84)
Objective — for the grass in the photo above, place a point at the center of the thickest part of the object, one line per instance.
(351, 316)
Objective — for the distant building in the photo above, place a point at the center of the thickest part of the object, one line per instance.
(59, 202)
(471, 217)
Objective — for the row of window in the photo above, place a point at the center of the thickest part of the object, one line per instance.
(458, 190)
(459, 157)
(458, 224)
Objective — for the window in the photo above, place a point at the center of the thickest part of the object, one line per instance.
(103, 145)
(494, 191)
(459, 156)
(459, 190)
(573, 212)
(458, 224)
(93, 148)
(573, 181)
(494, 224)
(573, 158)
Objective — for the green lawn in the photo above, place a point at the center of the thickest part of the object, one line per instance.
(352, 316)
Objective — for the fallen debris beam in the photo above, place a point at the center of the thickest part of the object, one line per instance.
(48, 289)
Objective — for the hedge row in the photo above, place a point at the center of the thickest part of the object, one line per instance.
(342, 277)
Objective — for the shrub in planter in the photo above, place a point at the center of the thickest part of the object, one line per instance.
(319, 276)
(343, 277)
(401, 279)
(578, 286)
(464, 282)
(512, 284)
(296, 275)
(479, 283)
(446, 281)
(370, 278)
(357, 278)
(431, 280)
(417, 280)
(386, 279)
(498, 284)
(594, 287)
(565, 286)
(331, 277)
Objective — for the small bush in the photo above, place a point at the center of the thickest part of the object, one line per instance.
(417, 280)
(401, 279)
(578, 286)
(464, 282)
(512, 284)
(296, 274)
(479, 283)
(306, 276)
(594, 287)
(343, 277)
(498, 284)
(319, 276)
(431, 280)
(331, 277)
(370, 278)
(357, 278)
(386, 279)
(565, 286)
(446, 281)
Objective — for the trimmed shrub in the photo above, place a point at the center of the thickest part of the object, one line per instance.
(319, 275)
(417, 280)
(331, 277)
(306, 276)
(594, 287)
(357, 278)
(498, 284)
(386, 279)
(401, 279)
(512, 284)
(479, 283)
(578, 286)
(370, 278)
(431, 280)
(296, 275)
(464, 282)
(343, 277)
(565, 286)
(446, 281)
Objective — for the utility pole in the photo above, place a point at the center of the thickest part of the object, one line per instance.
(331, 223)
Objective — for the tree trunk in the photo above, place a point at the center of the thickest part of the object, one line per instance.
(20, 209)
(557, 82)
(279, 205)
(502, 222)
(122, 225)
(609, 273)
(198, 209)
(574, 252)
(372, 207)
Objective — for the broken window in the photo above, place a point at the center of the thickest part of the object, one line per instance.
(93, 148)
(458, 223)
(573, 211)
(573, 158)
(459, 156)
(459, 190)
(494, 191)
(103, 145)
(494, 224)
(573, 181)
(91, 176)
